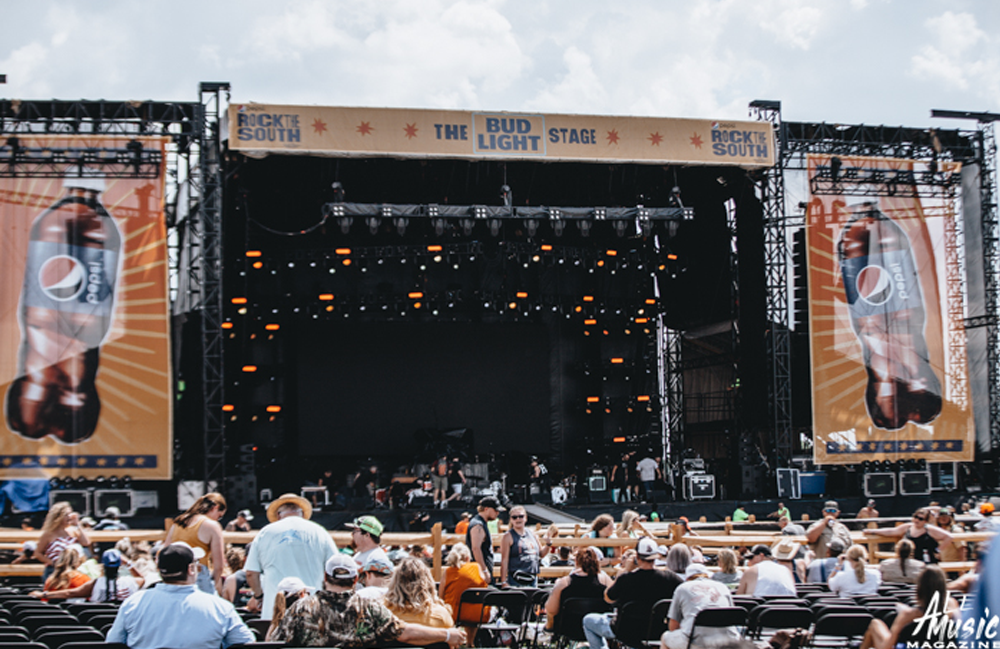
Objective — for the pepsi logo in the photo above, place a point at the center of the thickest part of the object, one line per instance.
(62, 278)
(874, 285)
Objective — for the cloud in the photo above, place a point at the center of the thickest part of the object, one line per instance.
(960, 56)
(793, 22)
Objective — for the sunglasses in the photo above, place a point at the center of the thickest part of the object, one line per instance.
(919, 518)
(830, 511)
(518, 516)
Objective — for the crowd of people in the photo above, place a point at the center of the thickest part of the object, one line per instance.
(192, 590)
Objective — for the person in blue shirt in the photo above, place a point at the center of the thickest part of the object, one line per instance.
(175, 614)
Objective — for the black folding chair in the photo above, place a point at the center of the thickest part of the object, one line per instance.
(94, 645)
(24, 645)
(568, 626)
(658, 622)
(56, 639)
(778, 617)
(471, 597)
(98, 620)
(512, 605)
(716, 618)
(6, 635)
(35, 622)
(833, 629)
(632, 623)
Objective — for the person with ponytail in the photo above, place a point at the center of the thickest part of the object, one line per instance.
(199, 527)
(903, 569)
(933, 607)
(854, 576)
(290, 590)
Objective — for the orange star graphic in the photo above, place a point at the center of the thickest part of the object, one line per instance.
(319, 126)
(411, 131)
(655, 138)
(365, 128)
(613, 136)
(696, 141)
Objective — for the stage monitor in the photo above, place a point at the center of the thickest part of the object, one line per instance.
(367, 388)
(120, 498)
(880, 484)
(79, 499)
(788, 484)
(914, 483)
(699, 486)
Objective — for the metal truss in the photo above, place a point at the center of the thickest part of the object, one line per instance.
(670, 357)
(771, 191)
(59, 162)
(835, 179)
(209, 215)
(991, 264)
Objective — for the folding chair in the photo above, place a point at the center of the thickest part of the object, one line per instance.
(716, 618)
(56, 639)
(512, 605)
(35, 622)
(658, 622)
(568, 626)
(94, 645)
(833, 629)
(259, 627)
(98, 620)
(24, 645)
(778, 617)
(471, 597)
(6, 636)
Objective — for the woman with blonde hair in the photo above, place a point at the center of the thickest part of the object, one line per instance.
(60, 530)
(412, 598)
(199, 527)
(462, 573)
(902, 569)
(65, 575)
(728, 574)
(521, 552)
(853, 576)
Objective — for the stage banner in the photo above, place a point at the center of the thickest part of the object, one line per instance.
(889, 371)
(259, 129)
(84, 340)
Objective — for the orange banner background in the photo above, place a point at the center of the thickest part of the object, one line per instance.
(134, 432)
(844, 433)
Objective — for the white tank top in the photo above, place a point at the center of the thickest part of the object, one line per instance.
(774, 579)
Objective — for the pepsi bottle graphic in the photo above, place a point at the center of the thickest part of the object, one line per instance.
(887, 311)
(66, 310)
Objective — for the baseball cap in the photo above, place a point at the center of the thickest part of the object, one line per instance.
(341, 566)
(291, 585)
(836, 545)
(947, 510)
(176, 557)
(986, 508)
(831, 504)
(111, 558)
(648, 548)
(30, 546)
(368, 524)
(491, 502)
(245, 513)
(87, 520)
(694, 569)
(112, 511)
(377, 565)
(760, 548)
(871, 503)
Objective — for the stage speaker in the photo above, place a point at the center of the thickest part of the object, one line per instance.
(699, 486)
(120, 498)
(914, 483)
(880, 484)
(598, 483)
(788, 484)
(943, 476)
(600, 497)
(79, 499)
(241, 492)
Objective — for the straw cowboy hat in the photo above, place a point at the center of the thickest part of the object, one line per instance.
(283, 499)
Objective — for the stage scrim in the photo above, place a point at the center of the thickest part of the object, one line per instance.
(888, 379)
(85, 290)
(264, 128)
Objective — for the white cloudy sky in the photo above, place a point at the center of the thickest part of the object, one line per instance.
(849, 61)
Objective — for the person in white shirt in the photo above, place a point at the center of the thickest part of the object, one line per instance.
(854, 576)
(366, 535)
(649, 471)
(697, 593)
(765, 577)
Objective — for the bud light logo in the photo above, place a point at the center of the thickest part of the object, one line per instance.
(874, 285)
(62, 278)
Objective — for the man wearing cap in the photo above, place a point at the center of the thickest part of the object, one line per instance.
(337, 617)
(788, 528)
(697, 593)
(175, 613)
(241, 523)
(765, 577)
(366, 534)
(110, 521)
(373, 579)
(290, 546)
(819, 571)
(478, 537)
(952, 550)
(823, 531)
(638, 580)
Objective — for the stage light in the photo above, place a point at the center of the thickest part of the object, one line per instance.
(650, 301)
(467, 225)
(642, 397)
(628, 332)
(593, 399)
(345, 223)
(589, 411)
(617, 361)
(343, 251)
(438, 226)
(228, 407)
(330, 308)
(325, 297)
(242, 311)
(512, 306)
(239, 300)
(520, 295)
(346, 262)
(373, 223)
(399, 222)
(273, 409)
(434, 248)
(578, 308)
(546, 248)
(495, 227)
(258, 264)
(588, 298)
(618, 440)
(249, 368)
(272, 327)
(641, 320)
(415, 295)
(558, 226)
(672, 257)
(584, 227)
(621, 227)
(227, 325)
(417, 305)
(536, 258)
(253, 253)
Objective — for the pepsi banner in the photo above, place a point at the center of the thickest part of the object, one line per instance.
(258, 129)
(889, 371)
(85, 364)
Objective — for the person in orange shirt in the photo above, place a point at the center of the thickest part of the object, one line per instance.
(463, 525)
(461, 574)
(65, 576)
